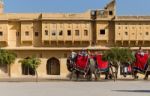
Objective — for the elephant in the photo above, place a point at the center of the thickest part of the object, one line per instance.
(71, 68)
(92, 69)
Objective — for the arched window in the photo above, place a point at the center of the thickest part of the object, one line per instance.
(53, 66)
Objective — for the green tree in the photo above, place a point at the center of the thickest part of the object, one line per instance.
(118, 56)
(7, 58)
(32, 62)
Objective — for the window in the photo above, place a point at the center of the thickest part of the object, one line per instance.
(126, 27)
(110, 12)
(126, 33)
(140, 33)
(101, 12)
(102, 32)
(147, 33)
(46, 32)
(53, 33)
(1, 33)
(36, 33)
(60, 32)
(27, 33)
(69, 32)
(85, 32)
(93, 12)
(77, 32)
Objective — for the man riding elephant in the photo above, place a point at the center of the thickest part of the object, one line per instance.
(140, 64)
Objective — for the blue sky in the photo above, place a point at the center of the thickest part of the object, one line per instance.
(124, 7)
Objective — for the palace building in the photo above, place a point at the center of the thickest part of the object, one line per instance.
(51, 37)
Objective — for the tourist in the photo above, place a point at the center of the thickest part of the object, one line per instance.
(83, 53)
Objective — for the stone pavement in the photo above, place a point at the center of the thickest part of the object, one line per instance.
(80, 88)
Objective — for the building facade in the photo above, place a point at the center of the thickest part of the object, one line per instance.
(50, 37)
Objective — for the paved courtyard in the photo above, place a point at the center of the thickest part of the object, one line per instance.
(67, 88)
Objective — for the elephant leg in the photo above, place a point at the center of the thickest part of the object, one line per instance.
(89, 76)
(146, 75)
(110, 76)
(135, 75)
(77, 76)
(71, 75)
(96, 75)
(106, 75)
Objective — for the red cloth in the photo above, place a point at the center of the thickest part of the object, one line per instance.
(129, 69)
(141, 61)
(101, 64)
(82, 62)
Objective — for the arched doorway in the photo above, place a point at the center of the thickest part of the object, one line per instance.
(26, 70)
(53, 66)
(3, 70)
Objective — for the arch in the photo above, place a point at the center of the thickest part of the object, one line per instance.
(3, 69)
(26, 70)
(53, 66)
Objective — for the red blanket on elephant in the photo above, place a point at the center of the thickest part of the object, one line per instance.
(141, 61)
(102, 65)
(82, 62)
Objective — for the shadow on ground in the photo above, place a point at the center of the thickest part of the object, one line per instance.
(139, 91)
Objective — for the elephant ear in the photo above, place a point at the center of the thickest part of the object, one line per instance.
(69, 67)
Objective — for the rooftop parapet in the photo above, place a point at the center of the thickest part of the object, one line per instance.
(70, 16)
(19, 16)
(46, 16)
(132, 18)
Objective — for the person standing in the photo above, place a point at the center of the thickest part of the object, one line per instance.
(147, 72)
